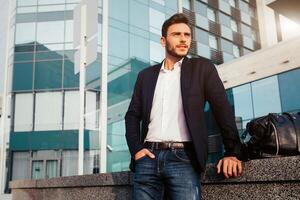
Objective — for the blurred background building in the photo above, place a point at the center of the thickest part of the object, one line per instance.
(254, 45)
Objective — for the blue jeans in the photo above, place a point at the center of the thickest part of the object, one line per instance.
(170, 173)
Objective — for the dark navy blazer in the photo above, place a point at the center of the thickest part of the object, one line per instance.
(200, 82)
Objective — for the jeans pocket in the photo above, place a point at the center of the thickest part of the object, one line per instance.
(182, 155)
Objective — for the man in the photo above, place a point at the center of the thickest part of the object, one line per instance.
(170, 150)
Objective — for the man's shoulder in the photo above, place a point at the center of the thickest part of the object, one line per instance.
(150, 69)
(200, 60)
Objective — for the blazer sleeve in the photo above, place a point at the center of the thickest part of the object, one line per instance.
(217, 98)
(133, 118)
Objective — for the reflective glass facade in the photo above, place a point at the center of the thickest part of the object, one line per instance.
(45, 89)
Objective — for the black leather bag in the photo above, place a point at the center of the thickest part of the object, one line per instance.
(272, 135)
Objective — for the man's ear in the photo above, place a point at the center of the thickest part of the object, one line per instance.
(163, 41)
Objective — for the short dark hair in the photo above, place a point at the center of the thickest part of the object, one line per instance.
(175, 19)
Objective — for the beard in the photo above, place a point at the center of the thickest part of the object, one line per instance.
(172, 51)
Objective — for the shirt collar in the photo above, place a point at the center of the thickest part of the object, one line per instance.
(177, 64)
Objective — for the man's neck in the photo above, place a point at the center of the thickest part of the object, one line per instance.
(170, 62)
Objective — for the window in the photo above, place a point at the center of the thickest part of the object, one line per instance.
(202, 21)
(156, 21)
(236, 51)
(266, 97)
(224, 19)
(23, 116)
(200, 8)
(201, 36)
(50, 32)
(233, 25)
(25, 33)
(37, 169)
(232, 3)
(226, 32)
(187, 4)
(51, 169)
(71, 112)
(213, 42)
(211, 14)
(48, 111)
(224, 6)
(156, 52)
(22, 76)
(226, 46)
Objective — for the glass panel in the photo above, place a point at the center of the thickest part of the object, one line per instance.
(69, 163)
(25, 33)
(19, 57)
(226, 32)
(139, 15)
(139, 47)
(48, 111)
(50, 32)
(201, 36)
(118, 43)
(41, 2)
(51, 8)
(248, 42)
(71, 113)
(226, 46)
(156, 21)
(187, 4)
(202, 22)
(91, 110)
(51, 168)
(225, 7)
(236, 51)
(27, 9)
(21, 163)
(26, 2)
(213, 42)
(232, 3)
(289, 85)
(37, 170)
(203, 50)
(243, 106)
(224, 19)
(71, 80)
(266, 97)
(246, 18)
(227, 57)
(23, 116)
(48, 74)
(211, 14)
(22, 76)
(244, 6)
(233, 25)
(157, 52)
(200, 8)
(119, 10)
(246, 30)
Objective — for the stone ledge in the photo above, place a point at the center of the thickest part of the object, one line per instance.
(272, 178)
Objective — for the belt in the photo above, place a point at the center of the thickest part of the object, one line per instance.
(168, 145)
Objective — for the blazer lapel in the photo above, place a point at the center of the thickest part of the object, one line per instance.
(185, 76)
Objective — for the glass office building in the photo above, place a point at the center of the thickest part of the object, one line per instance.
(44, 87)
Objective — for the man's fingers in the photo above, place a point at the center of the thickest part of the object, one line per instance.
(229, 168)
(240, 168)
(234, 169)
(219, 166)
(225, 168)
(148, 153)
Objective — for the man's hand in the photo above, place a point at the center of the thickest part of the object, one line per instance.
(142, 153)
(230, 166)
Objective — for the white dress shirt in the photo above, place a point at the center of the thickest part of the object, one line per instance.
(167, 120)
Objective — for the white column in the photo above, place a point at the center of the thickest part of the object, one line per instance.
(180, 5)
(4, 131)
(82, 90)
(103, 93)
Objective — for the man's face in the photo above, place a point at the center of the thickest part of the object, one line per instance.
(178, 40)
